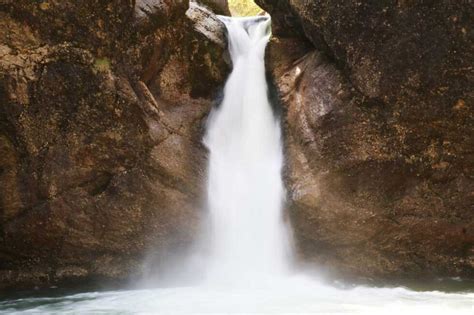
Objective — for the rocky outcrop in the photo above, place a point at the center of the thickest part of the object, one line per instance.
(101, 113)
(378, 118)
(217, 6)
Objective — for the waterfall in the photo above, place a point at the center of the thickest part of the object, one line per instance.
(245, 189)
(247, 271)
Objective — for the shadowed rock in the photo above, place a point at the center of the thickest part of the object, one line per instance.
(377, 111)
(101, 112)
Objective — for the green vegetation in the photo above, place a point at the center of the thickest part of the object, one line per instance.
(102, 64)
(244, 8)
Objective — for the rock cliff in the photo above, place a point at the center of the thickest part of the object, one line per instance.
(102, 106)
(377, 108)
(101, 113)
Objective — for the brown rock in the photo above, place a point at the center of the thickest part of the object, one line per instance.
(378, 134)
(217, 6)
(101, 110)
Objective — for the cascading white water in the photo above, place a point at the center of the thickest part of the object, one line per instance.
(245, 190)
(250, 244)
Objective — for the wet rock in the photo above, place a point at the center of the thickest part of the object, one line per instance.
(378, 129)
(207, 23)
(101, 114)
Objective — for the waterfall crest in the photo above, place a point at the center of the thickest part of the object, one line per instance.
(245, 189)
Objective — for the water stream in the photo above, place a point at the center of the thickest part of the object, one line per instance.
(245, 189)
(248, 270)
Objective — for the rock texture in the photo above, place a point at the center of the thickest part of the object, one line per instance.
(377, 100)
(101, 112)
(217, 6)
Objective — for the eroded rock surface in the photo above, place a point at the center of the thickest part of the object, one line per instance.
(217, 6)
(378, 118)
(101, 113)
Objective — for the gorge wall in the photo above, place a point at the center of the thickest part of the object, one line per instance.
(377, 110)
(102, 106)
(101, 109)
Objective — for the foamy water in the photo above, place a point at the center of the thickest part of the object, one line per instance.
(249, 241)
(289, 295)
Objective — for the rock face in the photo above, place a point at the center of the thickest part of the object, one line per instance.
(377, 100)
(102, 106)
(217, 6)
